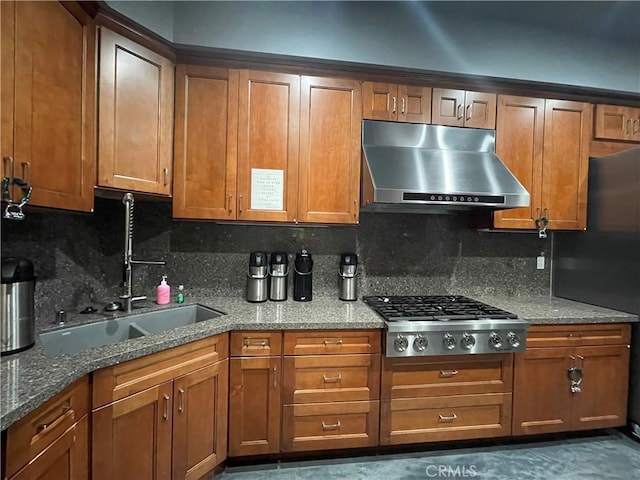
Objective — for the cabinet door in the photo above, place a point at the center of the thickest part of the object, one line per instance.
(268, 136)
(602, 400)
(205, 154)
(415, 104)
(380, 101)
(617, 123)
(48, 101)
(520, 145)
(67, 458)
(448, 107)
(135, 135)
(541, 391)
(567, 127)
(480, 110)
(330, 145)
(132, 437)
(200, 421)
(254, 405)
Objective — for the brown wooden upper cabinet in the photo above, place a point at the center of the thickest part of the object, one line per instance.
(330, 145)
(48, 98)
(205, 153)
(617, 123)
(459, 108)
(545, 144)
(251, 145)
(268, 116)
(402, 103)
(135, 112)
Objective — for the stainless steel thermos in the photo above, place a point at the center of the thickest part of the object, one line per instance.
(17, 330)
(257, 277)
(347, 279)
(278, 274)
(303, 279)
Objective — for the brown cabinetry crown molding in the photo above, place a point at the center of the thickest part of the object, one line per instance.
(199, 55)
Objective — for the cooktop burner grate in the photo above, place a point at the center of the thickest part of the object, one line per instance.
(434, 307)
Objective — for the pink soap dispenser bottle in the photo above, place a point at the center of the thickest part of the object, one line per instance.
(163, 292)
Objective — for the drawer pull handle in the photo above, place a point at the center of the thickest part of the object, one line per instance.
(332, 426)
(249, 343)
(445, 418)
(65, 409)
(448, 373)
(333, 342)
(332, 379)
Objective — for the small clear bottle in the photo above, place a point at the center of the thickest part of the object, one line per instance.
(180, 297)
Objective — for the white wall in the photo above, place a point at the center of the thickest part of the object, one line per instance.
(590, 44)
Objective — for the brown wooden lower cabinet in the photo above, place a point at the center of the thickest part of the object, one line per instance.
(457, 417)
(327, 426)
(53, 440)
(200, 421)
(175, 429)
(67, 458)
(544, 401)
(254, 405)
(132, 436)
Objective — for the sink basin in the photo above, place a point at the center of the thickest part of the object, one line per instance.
(108, 332)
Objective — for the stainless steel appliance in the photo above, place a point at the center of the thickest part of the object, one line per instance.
(17, 327)
(601, 266)
(446, 325)
(432, 169)
(278, 275)
(303, 278)
(257, 277)
(347, 277)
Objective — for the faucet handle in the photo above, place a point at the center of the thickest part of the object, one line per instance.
(61, 317)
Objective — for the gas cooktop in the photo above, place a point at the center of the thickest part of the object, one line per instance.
(419, 325)
(433, 307)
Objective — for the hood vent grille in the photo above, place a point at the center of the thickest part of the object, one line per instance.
(434, 169)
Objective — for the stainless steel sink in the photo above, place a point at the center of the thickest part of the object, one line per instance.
(74, 339)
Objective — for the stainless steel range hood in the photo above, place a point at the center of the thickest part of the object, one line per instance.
(434, 169)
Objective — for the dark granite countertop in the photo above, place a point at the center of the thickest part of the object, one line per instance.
(30, 378)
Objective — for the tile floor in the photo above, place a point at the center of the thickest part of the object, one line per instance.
(607, 455)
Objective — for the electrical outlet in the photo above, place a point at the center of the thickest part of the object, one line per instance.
(540, 262)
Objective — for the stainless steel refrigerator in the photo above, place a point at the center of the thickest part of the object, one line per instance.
(601, 266)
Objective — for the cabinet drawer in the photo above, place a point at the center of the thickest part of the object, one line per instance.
(255, 344)
(417, 420)
(446, 375)
(327, 426)
(321, 342)
(331, 378)
(577, 335)
(119, 381)
(31, 435)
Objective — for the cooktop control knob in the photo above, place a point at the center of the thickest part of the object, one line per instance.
(449, 341)
(400, 343)
(513, 339)
(495, 340)
(420, 343)
(467, 341)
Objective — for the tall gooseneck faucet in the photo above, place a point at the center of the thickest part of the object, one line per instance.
(127, 286)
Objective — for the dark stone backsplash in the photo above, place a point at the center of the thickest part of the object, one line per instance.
(78, 257)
